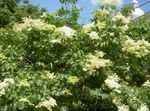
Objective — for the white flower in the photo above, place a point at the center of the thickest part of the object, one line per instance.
(51, 76)
(29, 23)
(68, 31)
(35, 23)
(23, 83)
(47, 104)
(125, 27)
(25, 100)
(111, 34)
(99, 54)
(123, 107)
(130, 46)
(49, 27)
(72, 79)
(3, 85)
(140, 48)
(101, 25)
(112, 82)
(94, 35)
(2, 92)
(87, 28)
(143, 107)
(114, 77)
(116, 101)
(94, 62)
(143, 43)
(121, 18)
(10, 81)
(146, 84)
(56, 41)
(47, 75)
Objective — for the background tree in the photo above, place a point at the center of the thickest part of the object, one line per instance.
(7, 9)
(15, 10)
(69, 11)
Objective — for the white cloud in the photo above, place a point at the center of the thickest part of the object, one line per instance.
(96, 2)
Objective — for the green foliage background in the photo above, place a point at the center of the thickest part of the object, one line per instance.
(42, 69)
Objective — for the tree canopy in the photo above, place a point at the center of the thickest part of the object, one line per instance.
(49, 62)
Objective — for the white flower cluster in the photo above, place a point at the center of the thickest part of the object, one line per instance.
(94, 35)
(121, 18)
(72, 79)
(47, 75)
(25, 100)
(123, 108)
(143, 107)
(56, 41)
(117, 101)
(111, 2)
(48, 104)
(88, 28)
(96, 61)
(140, 48)
(120, 106)
(124, 27)
(146, 84)
(5, 84)
(68, 31)
(29, 23)
(101, 25)
(112, 82)
(23, 83)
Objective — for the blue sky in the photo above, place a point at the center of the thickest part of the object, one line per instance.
(88, 7)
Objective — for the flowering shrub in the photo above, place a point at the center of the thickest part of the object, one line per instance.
(97, 67)
(95, 62)
(139, 49)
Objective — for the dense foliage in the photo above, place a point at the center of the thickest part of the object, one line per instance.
(15, 10)
(47, 64)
